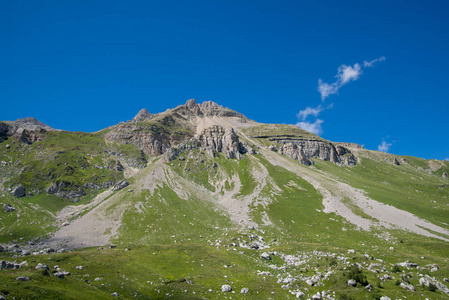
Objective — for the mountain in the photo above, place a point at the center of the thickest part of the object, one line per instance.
(201, 202)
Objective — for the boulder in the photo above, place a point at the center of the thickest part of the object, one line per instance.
(1, 248)
(115, 294)
(8, 208)
(396, 162)
(52, 189)
(42, 267)
(407, 286)
(61, 274)
(120, 185)
(226, 288)
(385, 298)
(18, 191)
(23, 278)
(244, 290)
(444, 174)
(369, 287)
(265, 255)
(317, 296)
(352, 282)
(8, 265)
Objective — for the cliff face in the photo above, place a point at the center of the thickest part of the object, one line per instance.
(15, 129)
(303, 150)
(212, 139)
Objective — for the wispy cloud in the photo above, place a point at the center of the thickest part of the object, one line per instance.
(345, 74)
(313, 127)
(369, 64)
(384, 146)
(312, 111)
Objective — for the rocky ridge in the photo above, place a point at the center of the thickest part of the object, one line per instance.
(304, 150)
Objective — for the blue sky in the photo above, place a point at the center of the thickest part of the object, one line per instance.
(86, 65)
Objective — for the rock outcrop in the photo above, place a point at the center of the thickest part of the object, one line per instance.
(444, 174)
(7, 208)
(211, 140)
(142, 115)
(120, 185)
(303, 150)
(18, 191)
(151, 139)
(26, 130)
(207, 108)
(65, 190)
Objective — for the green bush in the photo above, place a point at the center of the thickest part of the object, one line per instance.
(357, 274)
(396, 269)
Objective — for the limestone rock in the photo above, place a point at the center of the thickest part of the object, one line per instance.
(120, 185)
(18, 191)
(396, 162)
(407, 286)
(61, 274)
(8, 208)
(65, 190)
(8, 265)
(212, 139)
(41, 266)
(352, 282)
(142, 115)
(304, 149)
(226, 288)
(444, 174)
(244, 290)
(265, 255)
(23, 278)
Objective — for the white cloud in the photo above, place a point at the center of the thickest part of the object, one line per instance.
(384, 146)
(348, 73)
(309, 111)
(345, 74)
(369, 64)
(314, 127)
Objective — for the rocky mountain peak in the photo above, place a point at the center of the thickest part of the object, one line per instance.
(142, 115)
(207, 108)
(29, 123)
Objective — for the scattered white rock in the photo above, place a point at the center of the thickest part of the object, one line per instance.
(226, 288)
(244, 290)
(352, 282)
(265, 255)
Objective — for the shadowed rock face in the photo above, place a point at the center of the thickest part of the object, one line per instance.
(212, 139)
(26, 130)
(303, 150)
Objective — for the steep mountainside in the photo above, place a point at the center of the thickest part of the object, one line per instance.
(200, 202)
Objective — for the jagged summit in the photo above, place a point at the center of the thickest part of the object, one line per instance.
(142, 115)
(190, 109)
(30, 123)
(207, 108)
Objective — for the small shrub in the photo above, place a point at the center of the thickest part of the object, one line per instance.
(357, 274)
(396, 269)
(432, 287)
(379, 284)
(333, 262)
(397, 282)
(345, 297)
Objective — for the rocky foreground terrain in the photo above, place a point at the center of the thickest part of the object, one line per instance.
(201, 202)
